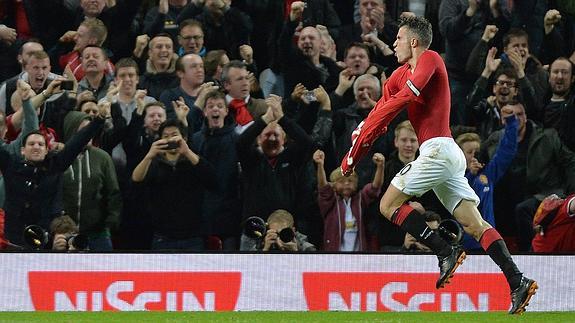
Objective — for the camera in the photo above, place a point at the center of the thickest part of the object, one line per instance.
(35, 237)
(38, 238)
(67, 85)
(77, 241)
(310, 96)
(256, 228)
(172, 145)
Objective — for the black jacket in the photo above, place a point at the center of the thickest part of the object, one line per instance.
(221, 207)
(33, 190)
(177, 191)
(268, 188)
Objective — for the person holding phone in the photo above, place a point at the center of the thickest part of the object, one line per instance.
(177, 177)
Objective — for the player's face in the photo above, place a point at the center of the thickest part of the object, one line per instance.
(406, 144)
(470, 148)
(402, 45)
(560, 77)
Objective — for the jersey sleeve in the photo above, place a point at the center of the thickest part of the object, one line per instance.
(387, 108)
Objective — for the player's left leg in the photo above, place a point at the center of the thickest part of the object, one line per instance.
(458, 197)
(522, 288)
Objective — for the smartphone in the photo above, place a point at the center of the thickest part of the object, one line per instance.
(172, 145)
(310, 96)
(67, 85)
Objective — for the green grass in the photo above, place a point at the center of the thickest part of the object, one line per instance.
(284, 317)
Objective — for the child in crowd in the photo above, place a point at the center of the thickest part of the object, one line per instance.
(342, 206)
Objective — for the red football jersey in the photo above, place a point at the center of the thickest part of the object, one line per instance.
(425, 93)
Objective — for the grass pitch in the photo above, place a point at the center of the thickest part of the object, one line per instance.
(284, 317)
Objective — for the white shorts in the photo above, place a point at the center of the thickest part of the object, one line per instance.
(441, 167)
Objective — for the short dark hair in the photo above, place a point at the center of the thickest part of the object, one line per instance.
(34, 132)
(431, 216)
(174, 123)
(231, 64)
(514, 33)
(127, 62)
(217, 94)
(420, 27)
(358, 45)
(81, 103)
(104, 54)
(212, 60)
(190, 22)
(509, 72)
(562, 58)
(153, 104)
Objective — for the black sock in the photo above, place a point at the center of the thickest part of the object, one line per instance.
(414, 223)
(500, 254)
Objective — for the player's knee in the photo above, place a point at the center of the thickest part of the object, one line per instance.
(386, 210)
(476, 228)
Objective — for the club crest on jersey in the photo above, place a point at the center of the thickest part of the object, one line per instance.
(483, 179)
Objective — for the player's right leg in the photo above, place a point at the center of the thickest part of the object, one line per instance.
(417, 178)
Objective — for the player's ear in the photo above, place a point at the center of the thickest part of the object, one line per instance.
(414, 42)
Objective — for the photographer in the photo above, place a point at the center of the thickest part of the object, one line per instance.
(64, 232)
(280, 235)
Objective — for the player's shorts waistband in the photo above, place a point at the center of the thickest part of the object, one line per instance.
(436, 141)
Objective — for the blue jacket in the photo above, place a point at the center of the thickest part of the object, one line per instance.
(484, 181)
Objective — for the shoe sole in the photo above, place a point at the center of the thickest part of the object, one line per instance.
(450, 275)
(530, 292)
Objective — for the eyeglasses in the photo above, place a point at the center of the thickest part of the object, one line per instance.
(188, 38)
(506, 83)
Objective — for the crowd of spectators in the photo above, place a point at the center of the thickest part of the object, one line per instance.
(165, 124)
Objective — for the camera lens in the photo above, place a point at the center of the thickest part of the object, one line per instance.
(78, 241)
(286, 235)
